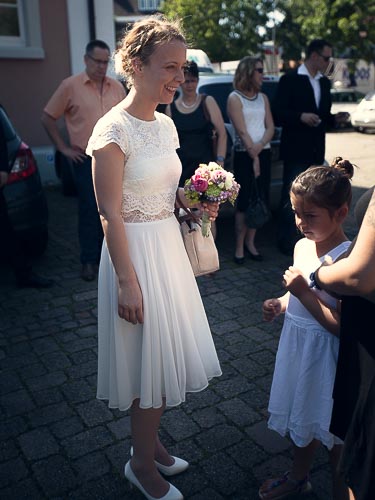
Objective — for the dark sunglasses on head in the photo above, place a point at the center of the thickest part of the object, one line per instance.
(260, 70)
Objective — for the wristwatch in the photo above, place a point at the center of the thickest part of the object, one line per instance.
(313, 283)
(220, 158)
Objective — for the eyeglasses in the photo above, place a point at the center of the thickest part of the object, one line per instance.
(99, 62)
(259, 70)
(326, 58)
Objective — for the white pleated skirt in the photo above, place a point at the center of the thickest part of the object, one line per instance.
(172, 352)
(301, 394)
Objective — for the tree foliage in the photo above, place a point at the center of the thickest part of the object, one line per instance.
(231, 29)
(226, 30)
(348, 24)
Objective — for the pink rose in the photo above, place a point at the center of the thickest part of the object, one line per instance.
(199, 184)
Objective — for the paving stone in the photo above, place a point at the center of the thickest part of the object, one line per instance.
(48, 414)
(91, 466)
(219, 438)
(26, 489)
(10, 382)
(67, 427)
(232, 387)
(55, 476)
(118, 454)
(83, 370)
(120, 428)
(12, 471)
(8, 450)
(269, 440)
(94, 412)
(14, 362)
(238, 412)
(78, 391)
(178, 424)
(86, 442)
(12, 427)
(38, 443)
(42, 346)
(32, 371)
(48, 380)
(48, 396)
(208, 417)
(55, 361)
(16, 403)
(226, 477)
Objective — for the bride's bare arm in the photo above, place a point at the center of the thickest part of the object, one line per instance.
(108, 168)
(355, 274)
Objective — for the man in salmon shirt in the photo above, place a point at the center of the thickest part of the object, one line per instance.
(82, 99)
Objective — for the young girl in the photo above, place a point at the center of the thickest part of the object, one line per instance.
(301, 394)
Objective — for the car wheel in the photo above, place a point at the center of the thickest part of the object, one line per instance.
(64, 171)
(36, 246)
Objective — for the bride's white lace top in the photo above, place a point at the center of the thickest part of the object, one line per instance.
(152, 168)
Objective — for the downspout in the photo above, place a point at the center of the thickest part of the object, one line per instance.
(91, 12)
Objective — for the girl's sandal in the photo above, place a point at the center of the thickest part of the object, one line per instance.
(296, 487)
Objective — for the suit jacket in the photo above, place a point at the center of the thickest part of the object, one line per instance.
(295, 96)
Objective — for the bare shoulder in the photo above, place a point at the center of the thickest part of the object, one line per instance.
(370, 214)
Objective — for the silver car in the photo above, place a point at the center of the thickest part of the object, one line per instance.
(363, 118)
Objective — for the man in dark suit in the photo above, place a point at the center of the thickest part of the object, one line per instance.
(10, 245)
(302, 107)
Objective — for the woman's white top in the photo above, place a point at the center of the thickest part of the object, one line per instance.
(254, 113)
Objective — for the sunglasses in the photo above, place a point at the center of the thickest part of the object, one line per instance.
(99, 62)
(326, 58)
(259, 70)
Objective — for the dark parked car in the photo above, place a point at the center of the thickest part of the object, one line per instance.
(220, 86)
(26, 201)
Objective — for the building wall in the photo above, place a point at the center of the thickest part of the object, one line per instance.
(26, 84)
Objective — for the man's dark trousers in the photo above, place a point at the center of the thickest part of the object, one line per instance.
(90, 231)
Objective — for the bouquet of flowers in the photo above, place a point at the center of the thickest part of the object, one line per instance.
(211, 183)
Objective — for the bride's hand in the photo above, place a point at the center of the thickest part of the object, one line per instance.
(212, 208)
(130, 303)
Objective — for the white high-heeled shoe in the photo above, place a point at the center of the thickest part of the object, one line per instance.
(170, 470)
(173, 493)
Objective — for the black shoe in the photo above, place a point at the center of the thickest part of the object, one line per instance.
(34, 281)
(88, 272)
(239, 260)
(254, 256)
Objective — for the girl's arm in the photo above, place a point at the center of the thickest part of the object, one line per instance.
(217, 121)
(354, 275)
(108, 167)
(324, 314)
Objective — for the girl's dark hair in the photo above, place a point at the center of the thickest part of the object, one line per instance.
(191, 68)
(326, 186)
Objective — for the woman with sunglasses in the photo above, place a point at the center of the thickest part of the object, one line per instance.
(250, 113)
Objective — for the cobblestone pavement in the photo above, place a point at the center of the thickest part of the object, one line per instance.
(58, 441)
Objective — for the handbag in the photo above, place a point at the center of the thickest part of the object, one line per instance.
(201, 250)
(257, 213)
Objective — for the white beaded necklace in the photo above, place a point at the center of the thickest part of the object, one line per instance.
(189, 106)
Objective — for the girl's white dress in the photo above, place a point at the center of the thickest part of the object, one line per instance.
(172, 352)
(301, 393)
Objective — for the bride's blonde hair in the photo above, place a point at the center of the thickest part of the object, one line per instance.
(141, 41)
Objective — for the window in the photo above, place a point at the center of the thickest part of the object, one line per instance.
(20, 35)
(147, 5)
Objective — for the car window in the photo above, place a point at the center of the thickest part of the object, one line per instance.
(220, 92)
(11, 137)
